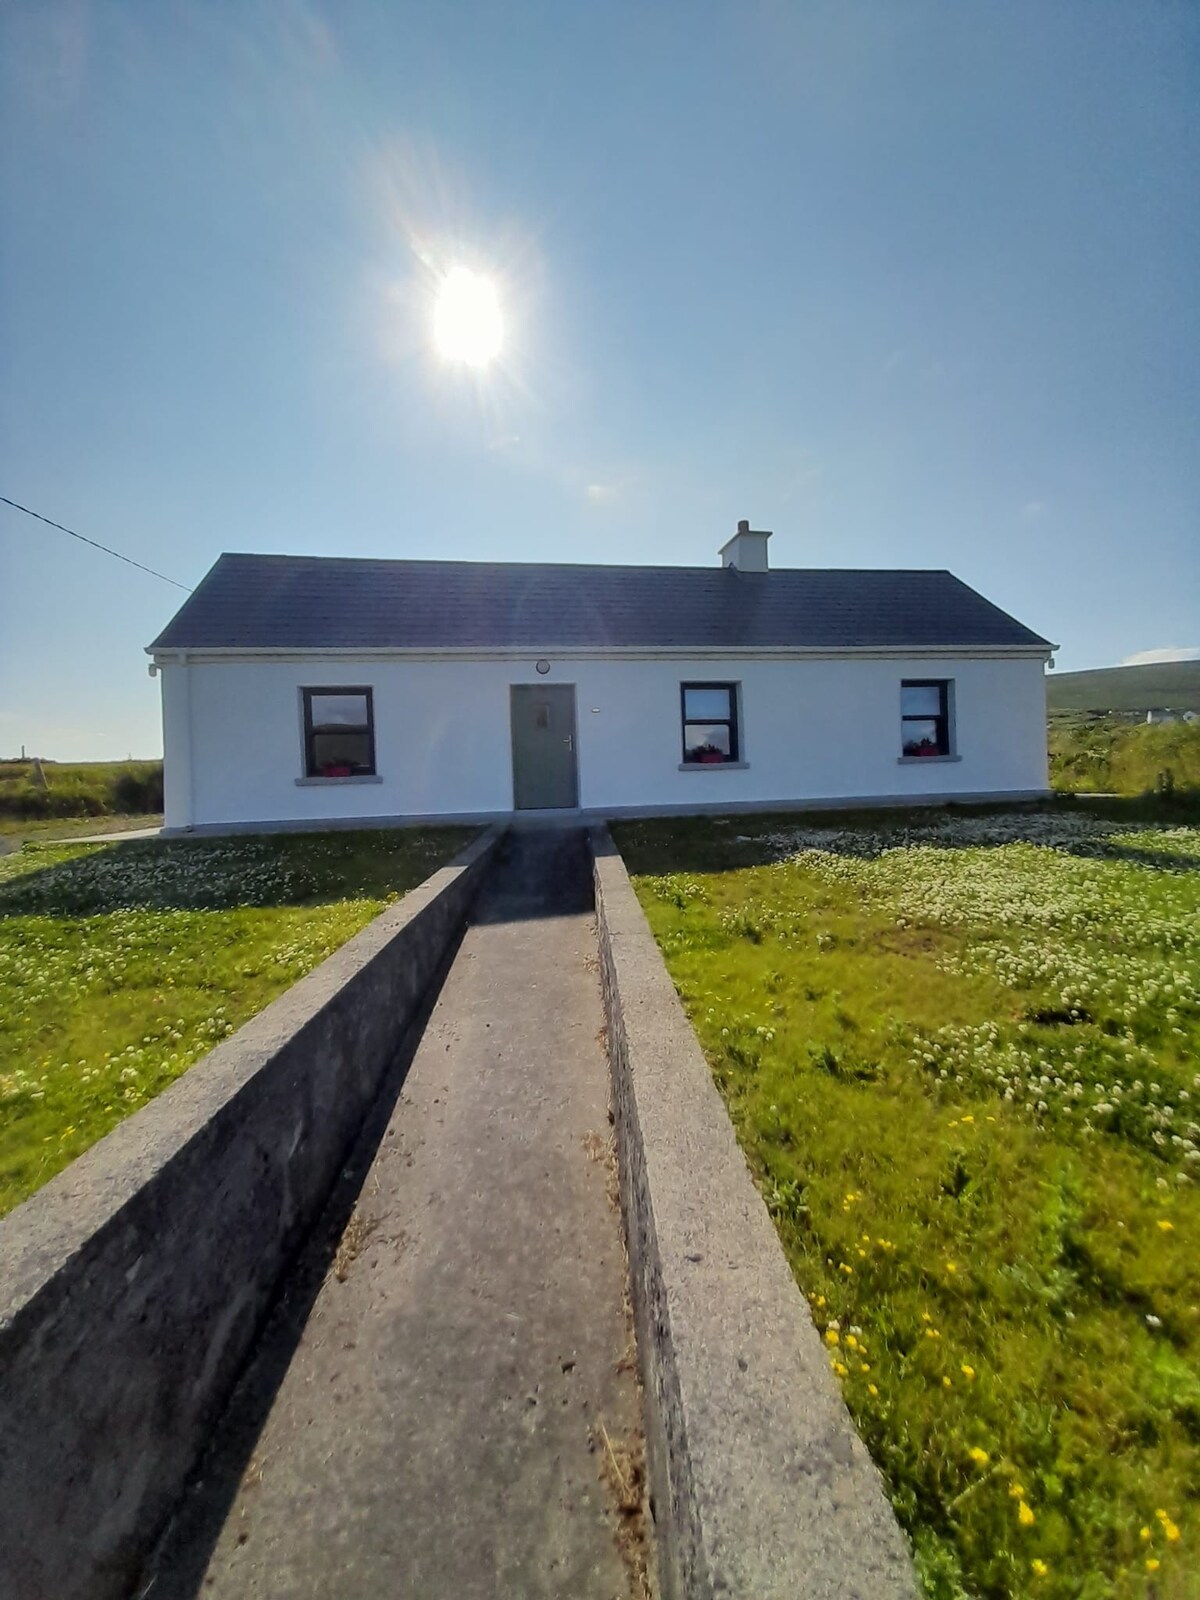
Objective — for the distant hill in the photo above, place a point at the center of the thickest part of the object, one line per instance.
(1161, 683)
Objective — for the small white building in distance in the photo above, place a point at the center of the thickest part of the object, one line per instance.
(305, 690)
(1158, 714)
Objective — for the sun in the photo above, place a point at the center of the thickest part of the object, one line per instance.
(467, 325)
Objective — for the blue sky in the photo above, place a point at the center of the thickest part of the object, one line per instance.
(910, 284)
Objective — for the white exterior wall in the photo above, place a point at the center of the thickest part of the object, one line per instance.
(811, 729)
(176, 682)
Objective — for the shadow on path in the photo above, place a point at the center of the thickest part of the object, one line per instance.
(430, 1408)
(177, 1568)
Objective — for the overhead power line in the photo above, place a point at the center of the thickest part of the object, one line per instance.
(128, 560)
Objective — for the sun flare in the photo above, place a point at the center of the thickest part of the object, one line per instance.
(467, 325)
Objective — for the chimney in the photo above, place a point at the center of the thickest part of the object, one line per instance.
(747, 550)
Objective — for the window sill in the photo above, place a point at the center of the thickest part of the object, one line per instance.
(320, 783)
(923, 761)
(714, 766)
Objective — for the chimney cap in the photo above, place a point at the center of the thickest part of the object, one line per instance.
(743, 526)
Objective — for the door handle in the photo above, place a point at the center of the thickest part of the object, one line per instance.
(569, 741)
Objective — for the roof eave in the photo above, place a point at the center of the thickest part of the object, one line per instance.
(1034, 648)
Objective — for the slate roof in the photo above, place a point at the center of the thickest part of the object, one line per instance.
(319, 602)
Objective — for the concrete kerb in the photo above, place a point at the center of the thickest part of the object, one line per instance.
(760, 1483)
(133, 1285)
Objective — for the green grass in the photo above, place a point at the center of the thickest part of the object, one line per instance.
(31, 790)
(1111, 755)
(14, 833)
(960, 1054)
(121, 965)
(1136, 689)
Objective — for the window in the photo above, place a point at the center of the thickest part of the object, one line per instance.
(339, 733)
(925, 717)
(710, 724)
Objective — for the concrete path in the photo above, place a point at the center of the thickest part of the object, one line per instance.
(11, 842)
(113, 836)
(444, 1425)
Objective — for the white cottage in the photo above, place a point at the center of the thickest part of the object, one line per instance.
(306, 690)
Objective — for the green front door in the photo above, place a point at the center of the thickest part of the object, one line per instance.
(543, 743)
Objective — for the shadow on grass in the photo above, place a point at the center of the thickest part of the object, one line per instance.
(226, 874)
(1067, 824)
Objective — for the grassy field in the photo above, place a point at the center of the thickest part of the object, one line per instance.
(1108, 755)
(30, 790)
(1134, 689)
(13, 833)
(120, 965)
(961, 1057)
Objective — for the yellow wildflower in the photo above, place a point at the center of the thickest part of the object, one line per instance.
(968, 1372)
(1151, 1563)
(950, 1267)
(863, 1367)
(852, 1341)
(840, 1369)
(925, 1317)
(1016, 1492)
(1040, 1569)
(872, 1390)
(832, 1336)
(932, 1333)
(978, 1456)
(946, 1384)
(1025, 1514)
(1168, 1527)
(1145, 1534)
(842, 1267)
(1165, 1226)
(819, 1301)
(968, 1119)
